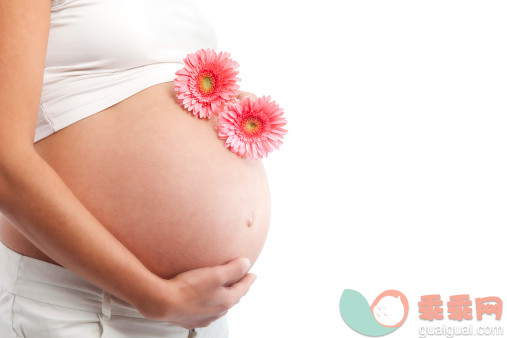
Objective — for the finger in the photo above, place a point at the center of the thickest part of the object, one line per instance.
(242, 95)
(239, 289)
(232, 271)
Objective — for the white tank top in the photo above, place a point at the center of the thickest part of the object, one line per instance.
(102, 51)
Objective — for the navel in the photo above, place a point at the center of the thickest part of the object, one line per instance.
(250, 220)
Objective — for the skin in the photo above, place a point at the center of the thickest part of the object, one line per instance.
(62, 228)
(162, 182)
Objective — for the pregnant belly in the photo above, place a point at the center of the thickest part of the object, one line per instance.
(162, 182)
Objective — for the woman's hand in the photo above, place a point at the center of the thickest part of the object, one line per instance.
(198, 297)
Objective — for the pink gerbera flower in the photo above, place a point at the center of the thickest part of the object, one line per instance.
(252, 128)
(207, 81)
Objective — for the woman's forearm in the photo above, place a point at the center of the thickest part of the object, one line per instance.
(43, 208)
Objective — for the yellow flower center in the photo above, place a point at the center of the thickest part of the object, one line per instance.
(252, 125)
(207, 83)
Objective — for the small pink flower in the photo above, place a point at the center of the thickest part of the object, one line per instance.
(207, 81)
(252, 128)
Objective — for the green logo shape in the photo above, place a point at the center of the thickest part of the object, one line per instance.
(357, 314)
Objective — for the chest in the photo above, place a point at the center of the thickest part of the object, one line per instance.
(111, 34)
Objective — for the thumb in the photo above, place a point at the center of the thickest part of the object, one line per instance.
(232, 271)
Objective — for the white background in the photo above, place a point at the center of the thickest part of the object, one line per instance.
(394, 172)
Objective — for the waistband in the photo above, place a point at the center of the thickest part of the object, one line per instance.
(53, 284)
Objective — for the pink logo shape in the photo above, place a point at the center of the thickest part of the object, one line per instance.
(390, 308)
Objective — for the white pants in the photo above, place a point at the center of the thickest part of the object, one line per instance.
(43, 300)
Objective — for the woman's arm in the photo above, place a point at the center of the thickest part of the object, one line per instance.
(32, 195)
(40, 205)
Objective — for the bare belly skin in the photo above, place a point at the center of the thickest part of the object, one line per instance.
(162, 182)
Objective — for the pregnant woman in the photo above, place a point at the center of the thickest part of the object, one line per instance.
(122, 214)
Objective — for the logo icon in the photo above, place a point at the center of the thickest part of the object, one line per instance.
(386, 314)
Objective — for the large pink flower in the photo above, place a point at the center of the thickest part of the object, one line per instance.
(252, 128)
(207, 81)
